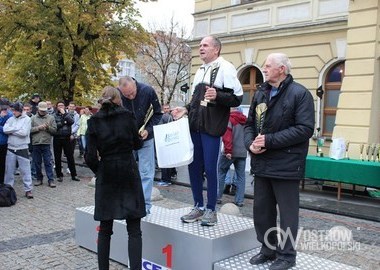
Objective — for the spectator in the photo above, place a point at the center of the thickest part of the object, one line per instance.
(36, 98)
(61, 141)
(5, 114)
(234, 152)
(43, 128)
(74, 128)
(83, 126)
(18, 129)
(166, 173)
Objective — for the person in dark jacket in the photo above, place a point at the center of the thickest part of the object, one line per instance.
(140, 99)
(5, 114)
(112, 136)
(280, 123)
(61, 141)
(216, 88)
(35, 99)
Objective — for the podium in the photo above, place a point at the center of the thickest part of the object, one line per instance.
(170, 244)
(304, 262)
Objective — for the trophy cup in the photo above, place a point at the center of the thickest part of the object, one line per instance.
(214, 71)
(148, 115)
(374, 148)
(260, 115)
(361, 152)
(346, 154)
(368, 150)
(320, 143)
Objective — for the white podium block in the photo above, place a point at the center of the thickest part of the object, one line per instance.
(304, 262)
(170, 244)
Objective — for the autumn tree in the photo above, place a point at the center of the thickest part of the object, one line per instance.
(165, 61)
(58, 47)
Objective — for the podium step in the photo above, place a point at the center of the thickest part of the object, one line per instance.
(304, 262)
(169, 243)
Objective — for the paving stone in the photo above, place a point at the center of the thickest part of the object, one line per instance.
(39, 233)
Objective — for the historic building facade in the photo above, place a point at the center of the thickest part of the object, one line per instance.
(333, 45)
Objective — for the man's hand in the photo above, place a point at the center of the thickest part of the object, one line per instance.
(178, 112)
(210, 93)
(258, 145)
(229, 156)
(144, 134)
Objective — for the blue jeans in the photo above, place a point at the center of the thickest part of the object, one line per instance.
(230, 179)
(145, 157)
(223, 167)
(42, 152)
(206, 151)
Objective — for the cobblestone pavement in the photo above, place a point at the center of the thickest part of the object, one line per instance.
(39, 233)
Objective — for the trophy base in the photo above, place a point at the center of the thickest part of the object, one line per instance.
(320, 154)
(207, 103)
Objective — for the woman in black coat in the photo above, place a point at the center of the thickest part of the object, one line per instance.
(112, 136)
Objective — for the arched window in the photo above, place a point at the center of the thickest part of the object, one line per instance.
(332, 86)
(250, 78)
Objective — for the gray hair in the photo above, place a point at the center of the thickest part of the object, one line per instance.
(281, 59)
(125, 80)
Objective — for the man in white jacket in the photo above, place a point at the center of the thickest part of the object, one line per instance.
(18, 129)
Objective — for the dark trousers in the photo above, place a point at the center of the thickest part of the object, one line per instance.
(268, 193)
(64, 144)
(134, 244)
(3, 154)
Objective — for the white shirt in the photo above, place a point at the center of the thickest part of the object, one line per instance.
(226, 76)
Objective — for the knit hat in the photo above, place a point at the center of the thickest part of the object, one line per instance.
(17, 106)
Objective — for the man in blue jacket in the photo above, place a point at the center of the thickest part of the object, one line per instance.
(280, 123)
(139, 99)
(5, 114)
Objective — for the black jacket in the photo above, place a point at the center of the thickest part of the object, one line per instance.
(212, 120)
(112, 136)
(64, 123)
(288, 125)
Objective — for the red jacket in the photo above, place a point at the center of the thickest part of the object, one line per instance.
(236, 117)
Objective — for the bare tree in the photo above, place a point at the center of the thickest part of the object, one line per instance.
(165, 61)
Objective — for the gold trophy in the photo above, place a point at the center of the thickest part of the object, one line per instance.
(361, 152)
(260, 115)
(374, 148)
(367, 151)
(148, 115)
(320, 143)
(214, 71)
(346, 154)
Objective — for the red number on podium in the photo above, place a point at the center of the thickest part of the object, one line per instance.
(168, 250)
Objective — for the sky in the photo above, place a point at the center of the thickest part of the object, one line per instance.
(162, 11)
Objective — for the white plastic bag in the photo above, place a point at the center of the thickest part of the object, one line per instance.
(337, 148)
(174, 146)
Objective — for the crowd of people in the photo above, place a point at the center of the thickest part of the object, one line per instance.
(35, 134)
(118, 146)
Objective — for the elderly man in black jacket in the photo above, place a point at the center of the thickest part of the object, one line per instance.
(280, 123)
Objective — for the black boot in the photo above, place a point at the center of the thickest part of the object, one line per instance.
(227, 189)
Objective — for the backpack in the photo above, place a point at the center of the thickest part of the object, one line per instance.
(7, 195)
